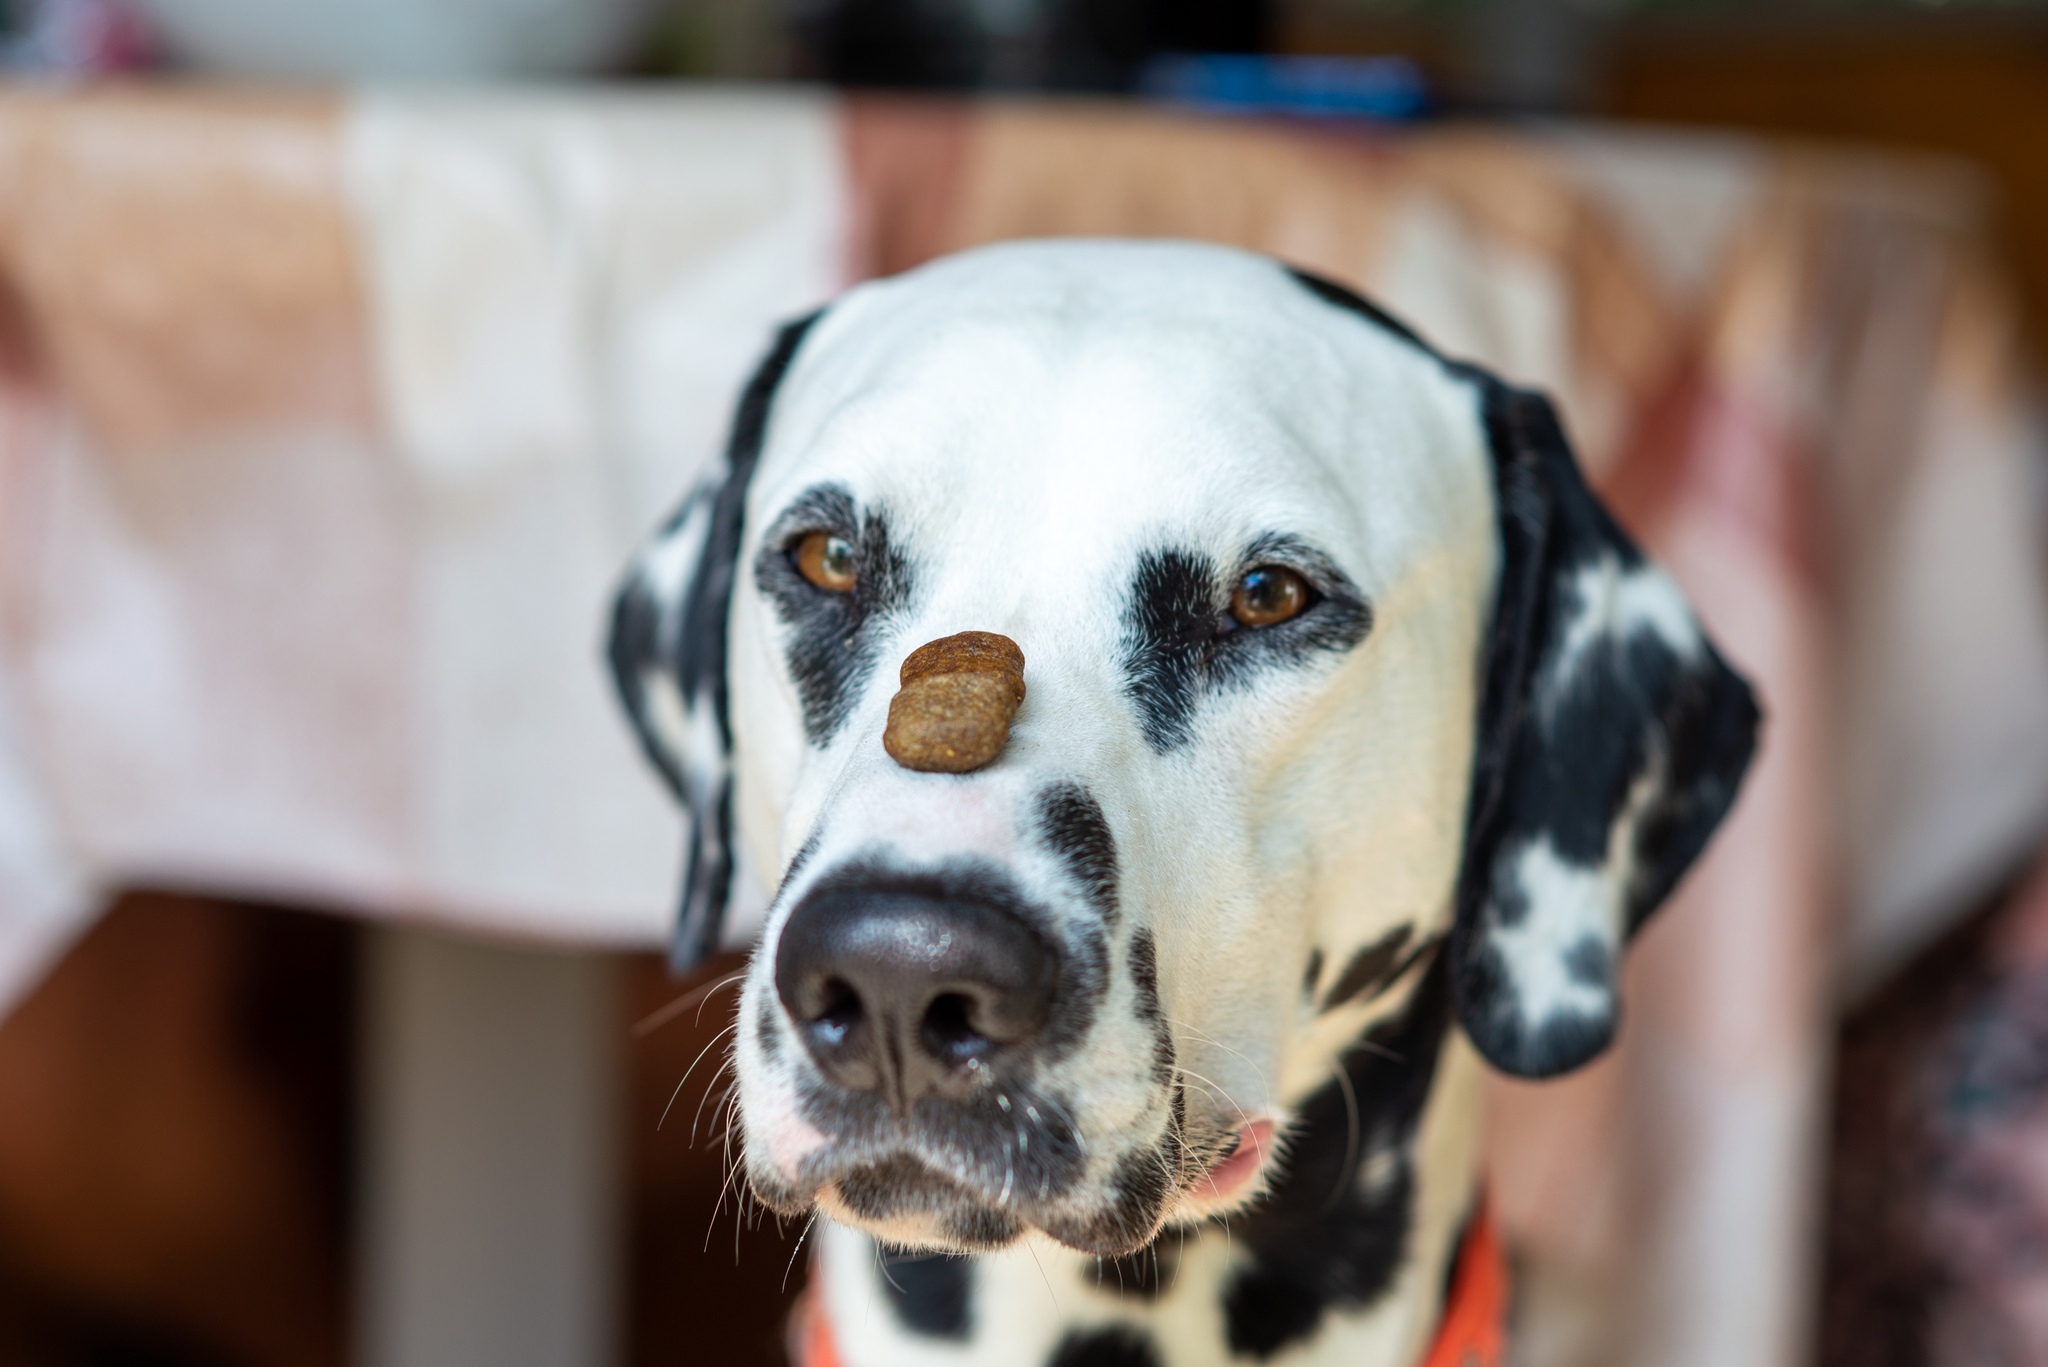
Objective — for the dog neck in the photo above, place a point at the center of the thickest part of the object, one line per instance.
(1346, 1259)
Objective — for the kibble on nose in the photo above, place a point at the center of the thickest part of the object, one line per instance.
(952, 714)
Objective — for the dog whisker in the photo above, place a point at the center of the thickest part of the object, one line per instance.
(709, 1044)
(798, 1249)
(1344, 1173)
(662, 1015)
(708, 1089)
(882, 1266)
(1042, 1277)
(1210, 1039)
(1218, 1090)
(732, 1167)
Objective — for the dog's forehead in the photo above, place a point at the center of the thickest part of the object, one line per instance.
(1124, 394)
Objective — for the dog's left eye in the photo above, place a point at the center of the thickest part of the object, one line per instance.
(1268, 596)
(826, 560)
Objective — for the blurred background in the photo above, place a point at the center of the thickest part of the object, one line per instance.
(346, 346)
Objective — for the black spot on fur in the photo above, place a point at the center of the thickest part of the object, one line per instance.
(1137, 1192)
(688, 643)
(638, 627)
(1145, 985)
(1590, 961)
(1071, 823)
(767, 1033)
(1170, 635)
(1145, 1275)
(1180, 640)
(1313, 974)
(803, 856)
(1176, 1133)
(832, 638)
(931, 1293)
(707, 880)
(980, 1227)
(1123, 1346)
(1370, 968)
(1322, 1240)
(1352, 302)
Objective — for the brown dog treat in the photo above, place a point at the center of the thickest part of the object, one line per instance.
(952, 715)
(966, 650)
(952, 723)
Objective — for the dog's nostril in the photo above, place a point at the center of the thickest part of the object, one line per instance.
(839, 1014)
(949, 1030)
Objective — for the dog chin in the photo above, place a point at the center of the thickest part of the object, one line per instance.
(911, 1206)
(906, 1204)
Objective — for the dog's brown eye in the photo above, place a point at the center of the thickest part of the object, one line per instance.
(827, 561)
(1268, 596)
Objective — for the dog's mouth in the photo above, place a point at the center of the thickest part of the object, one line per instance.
(943, 1179)
(1237, 1170)
(909, 1203)
(922, 1187)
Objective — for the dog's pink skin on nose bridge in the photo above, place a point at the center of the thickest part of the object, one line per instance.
(924, 822)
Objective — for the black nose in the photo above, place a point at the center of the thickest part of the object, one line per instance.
(904, 989)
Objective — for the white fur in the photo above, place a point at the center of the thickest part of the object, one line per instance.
(1614, 604)
(1564, 903)
(1555, 893)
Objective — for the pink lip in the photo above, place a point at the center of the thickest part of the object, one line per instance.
(1229, 1177)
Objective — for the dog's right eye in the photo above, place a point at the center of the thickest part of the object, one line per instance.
(1268, 596)
(826, 560)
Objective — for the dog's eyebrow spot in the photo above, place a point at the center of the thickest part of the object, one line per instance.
(931, 1293)
(1169, 636)
(1123, 1346)
(1313, 974)
(830, 647)
(1073, 827)
(1178, 639)
(1370, 967)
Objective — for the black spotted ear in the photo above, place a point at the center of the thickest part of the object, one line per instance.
(1612, 739)
(668, 655)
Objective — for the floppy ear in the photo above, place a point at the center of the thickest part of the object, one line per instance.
(1612, 738)
(668, 653)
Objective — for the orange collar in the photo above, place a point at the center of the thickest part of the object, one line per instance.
(1469, 1335)
(1472, 1332)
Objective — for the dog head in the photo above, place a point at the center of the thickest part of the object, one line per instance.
(1332, 665)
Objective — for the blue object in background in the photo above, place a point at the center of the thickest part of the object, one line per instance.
(1341, 87)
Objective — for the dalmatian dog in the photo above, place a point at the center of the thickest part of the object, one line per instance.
(1355, 740)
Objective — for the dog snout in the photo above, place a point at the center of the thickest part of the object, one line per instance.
(906, 992)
